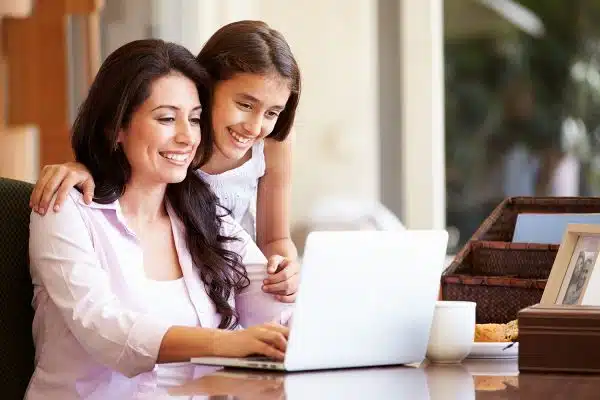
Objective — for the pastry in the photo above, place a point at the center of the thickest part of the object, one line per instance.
(497, 332)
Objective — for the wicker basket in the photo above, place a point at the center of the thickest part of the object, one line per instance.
(504, 277)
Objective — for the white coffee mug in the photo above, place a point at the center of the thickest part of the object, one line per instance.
(452, 331)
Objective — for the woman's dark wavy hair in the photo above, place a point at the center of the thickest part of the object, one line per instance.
(249, 47)
(122, 84)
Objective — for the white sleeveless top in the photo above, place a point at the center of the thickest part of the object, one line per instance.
(170, 302)
(237, 188)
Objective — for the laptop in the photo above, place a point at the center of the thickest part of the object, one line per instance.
(366, 298)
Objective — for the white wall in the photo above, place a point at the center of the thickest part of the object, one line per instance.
(124, 21)
(422, 107)
(337, 135)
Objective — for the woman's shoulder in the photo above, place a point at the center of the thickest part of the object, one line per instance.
(73, 206)
(72, 202)
(77, 199)
(71, 213)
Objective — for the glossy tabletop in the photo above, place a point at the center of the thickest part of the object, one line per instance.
(474, 379)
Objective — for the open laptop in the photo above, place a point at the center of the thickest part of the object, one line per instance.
(366, 298)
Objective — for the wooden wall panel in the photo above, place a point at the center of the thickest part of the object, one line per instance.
(82, 6)
(36, 62)
(19, 158)
(36, 57)
(15, 8)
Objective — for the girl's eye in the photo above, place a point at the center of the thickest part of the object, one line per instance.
(195, 121)
(167, 119)
(245, 106)
(272, 114)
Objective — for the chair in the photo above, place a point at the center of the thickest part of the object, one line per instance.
(16, 290)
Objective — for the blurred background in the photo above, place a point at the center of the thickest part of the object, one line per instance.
(414, 113)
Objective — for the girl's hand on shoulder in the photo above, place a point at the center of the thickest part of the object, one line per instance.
(59, 179)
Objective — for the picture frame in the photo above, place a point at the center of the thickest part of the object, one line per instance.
(575, 275)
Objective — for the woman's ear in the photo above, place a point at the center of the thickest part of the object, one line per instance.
(120, 136)
(120, 139)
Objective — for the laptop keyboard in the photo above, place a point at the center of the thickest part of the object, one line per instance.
(260, 358)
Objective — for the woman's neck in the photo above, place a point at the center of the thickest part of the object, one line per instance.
(143, 203)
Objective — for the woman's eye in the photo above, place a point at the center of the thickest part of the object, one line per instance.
(195, 121)
(167, 119)
(272, 114)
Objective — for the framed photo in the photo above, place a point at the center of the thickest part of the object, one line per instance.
(575, 278)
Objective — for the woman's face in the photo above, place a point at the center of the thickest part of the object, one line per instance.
(245, 109)
(164, 132)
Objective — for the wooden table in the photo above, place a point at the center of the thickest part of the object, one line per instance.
(474, 379)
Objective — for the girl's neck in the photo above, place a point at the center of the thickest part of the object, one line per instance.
(219, 164)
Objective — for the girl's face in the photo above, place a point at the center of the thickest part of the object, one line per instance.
(245, 109)
(163, 134)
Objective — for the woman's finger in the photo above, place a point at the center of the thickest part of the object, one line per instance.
(275, 339)
(284, 330)
(268, 350)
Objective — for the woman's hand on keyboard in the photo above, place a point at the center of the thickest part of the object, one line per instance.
(269, 340)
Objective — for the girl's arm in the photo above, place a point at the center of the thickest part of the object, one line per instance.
(273, 221)
(273, 203)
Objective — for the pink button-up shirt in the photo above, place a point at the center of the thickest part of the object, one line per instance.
(91, 326)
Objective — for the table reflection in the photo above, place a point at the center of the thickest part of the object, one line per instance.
(376, 383)
(428, 382)
(473, 379)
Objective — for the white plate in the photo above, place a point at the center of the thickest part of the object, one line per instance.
(487, 350)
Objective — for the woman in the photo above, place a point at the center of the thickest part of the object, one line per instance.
(149, 272)
(256, 92)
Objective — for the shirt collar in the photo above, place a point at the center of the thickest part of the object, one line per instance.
(109, 206)
(115, 206)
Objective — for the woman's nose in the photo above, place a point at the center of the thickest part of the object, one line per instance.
(187, 134)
